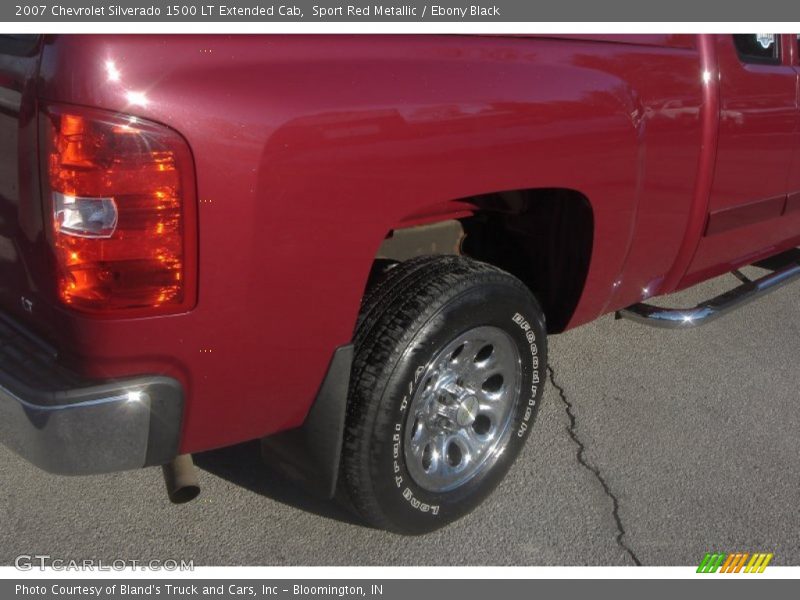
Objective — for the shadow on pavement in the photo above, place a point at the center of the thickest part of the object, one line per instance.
(242, 465)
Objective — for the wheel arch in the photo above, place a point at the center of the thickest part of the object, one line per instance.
(543, 236)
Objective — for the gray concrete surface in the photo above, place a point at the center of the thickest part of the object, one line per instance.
(658, 447)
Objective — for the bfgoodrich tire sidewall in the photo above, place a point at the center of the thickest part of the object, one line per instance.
(404, 503)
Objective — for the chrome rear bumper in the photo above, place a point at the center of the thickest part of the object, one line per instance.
(67, 426)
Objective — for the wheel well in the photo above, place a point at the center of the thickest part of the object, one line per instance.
(542, 236)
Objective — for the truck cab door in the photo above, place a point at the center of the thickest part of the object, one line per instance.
(792, 212)
(756, 145)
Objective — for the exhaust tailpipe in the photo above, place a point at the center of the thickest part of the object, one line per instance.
(181, 480)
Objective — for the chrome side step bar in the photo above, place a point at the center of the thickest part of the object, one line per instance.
(680, 318)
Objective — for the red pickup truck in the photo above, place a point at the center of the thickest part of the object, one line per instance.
(354, 247)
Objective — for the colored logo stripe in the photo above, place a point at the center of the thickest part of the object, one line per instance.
(758, 563)
(727, 567)
(711, 562)
(741, 562)
(734, 562)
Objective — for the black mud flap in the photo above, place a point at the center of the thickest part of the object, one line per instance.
(309, 455)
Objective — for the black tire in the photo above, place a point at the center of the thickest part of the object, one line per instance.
(409, 318)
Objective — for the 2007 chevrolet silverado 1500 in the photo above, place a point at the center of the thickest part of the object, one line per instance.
(353, 247)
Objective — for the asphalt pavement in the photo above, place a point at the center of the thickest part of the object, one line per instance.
(652, 447)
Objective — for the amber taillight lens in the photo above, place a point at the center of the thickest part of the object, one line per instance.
(120, 196)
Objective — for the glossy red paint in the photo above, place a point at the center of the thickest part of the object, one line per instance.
(755, 146)
(736, 217)
(309, 150)
(698, 212)
(792, 203)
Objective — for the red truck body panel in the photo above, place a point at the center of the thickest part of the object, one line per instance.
(309, 150)
(757, 143)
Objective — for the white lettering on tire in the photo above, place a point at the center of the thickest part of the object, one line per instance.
(530, 336)
(408, 495)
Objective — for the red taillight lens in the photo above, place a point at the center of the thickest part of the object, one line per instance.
(121, 195)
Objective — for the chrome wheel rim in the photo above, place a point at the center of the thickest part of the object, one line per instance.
(459, 419)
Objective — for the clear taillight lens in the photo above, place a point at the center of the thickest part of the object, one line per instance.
(84, 217)
(121, 197)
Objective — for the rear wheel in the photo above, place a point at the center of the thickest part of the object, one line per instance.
(447, 378)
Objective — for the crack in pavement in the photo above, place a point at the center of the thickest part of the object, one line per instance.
(582, 460)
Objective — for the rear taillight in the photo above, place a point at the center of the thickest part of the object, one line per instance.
(120, 195)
